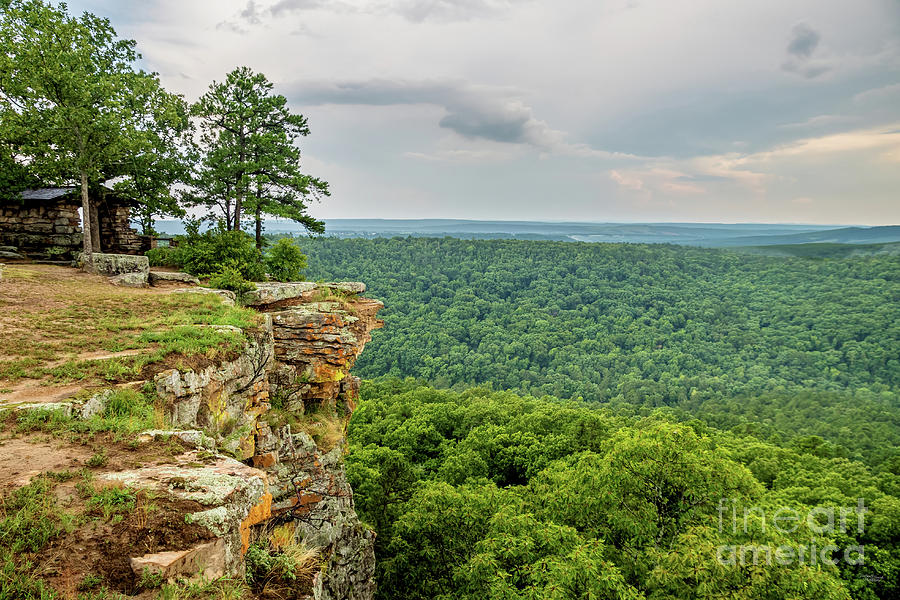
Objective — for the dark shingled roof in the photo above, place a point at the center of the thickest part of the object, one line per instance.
(47, 193)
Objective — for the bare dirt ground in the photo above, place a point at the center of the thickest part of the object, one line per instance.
(24, 458)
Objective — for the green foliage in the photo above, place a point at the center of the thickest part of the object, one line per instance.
(480, 494)
(250, 161)
(29, 520)
(14, 176)
(789, 346)
(127, 412)
(230, 278)
(98, 459)
(211, 252)
(89, 582)
(74, 105)
(150, 580)
(112, 500)
(280, 566)
(164, 257)
(285, 261)
(30, 517)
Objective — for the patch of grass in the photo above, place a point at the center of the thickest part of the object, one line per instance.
(127, 412)
(112, 500)
(220, 589)
(343, 299)
(89, 582)
(80, 316)
(99, 459)
(18, 581)
(30, 517)
(150, 580)
(324, 425)
(61, 475)
(29, 520)
(279, 566)
(13, 370)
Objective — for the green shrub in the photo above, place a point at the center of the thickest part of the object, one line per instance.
(164, 257)
(230, 278)
(285, 261)
(205, 254)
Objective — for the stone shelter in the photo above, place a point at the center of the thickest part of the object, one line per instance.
(45, 224)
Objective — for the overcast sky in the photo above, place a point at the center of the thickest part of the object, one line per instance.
(599, 110)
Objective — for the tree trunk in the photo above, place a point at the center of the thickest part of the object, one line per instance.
(95, 228)
(258, 225)
(86, 228)
(241, 187)
(226, 207)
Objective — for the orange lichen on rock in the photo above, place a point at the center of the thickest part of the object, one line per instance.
(259, 513)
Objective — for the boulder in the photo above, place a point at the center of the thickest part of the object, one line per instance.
(11, 255)
(346, 287)
(270, 293)
(117, 264)
(9, 249)
(134, 280)
(235, 498)
(95, 405)
(228, 297)
(164, 277)
(206, 561)
(192, 437)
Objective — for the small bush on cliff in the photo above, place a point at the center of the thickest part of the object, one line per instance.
(278, 565)
(285, 261)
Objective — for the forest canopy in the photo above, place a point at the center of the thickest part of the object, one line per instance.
(790, 347)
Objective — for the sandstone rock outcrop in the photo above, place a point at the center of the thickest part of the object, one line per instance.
(245, 443)
(301, 357)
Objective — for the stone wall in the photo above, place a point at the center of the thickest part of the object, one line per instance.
(51, 229)
(116, 234)
(48, 230)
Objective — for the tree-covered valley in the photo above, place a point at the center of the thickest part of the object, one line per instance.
(646, 384)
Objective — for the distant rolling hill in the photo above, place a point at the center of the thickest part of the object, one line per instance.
(823, 250)
(844, 235)
(693, 234)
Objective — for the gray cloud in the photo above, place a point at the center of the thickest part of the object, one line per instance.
(284, 7)
(251, 13)
(804, 41)
(491, 113)
(416, 11)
